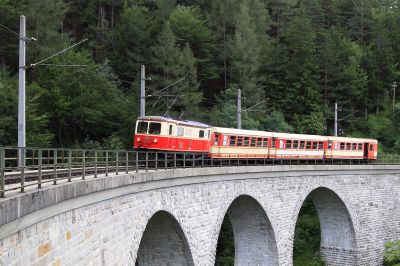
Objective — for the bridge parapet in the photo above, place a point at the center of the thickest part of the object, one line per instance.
(198, 199)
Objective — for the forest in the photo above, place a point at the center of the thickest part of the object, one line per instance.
(301, 57)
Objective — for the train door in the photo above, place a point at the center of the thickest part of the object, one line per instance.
(215, 142)
(171, 136)
(329, 149)
(368, 150)
(274, 143)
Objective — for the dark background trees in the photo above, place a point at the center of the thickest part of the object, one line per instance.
(303, 55)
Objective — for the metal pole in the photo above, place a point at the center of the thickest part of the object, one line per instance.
(95, 163)
(21, 89)
(336, 120)
(69, 165)
(239, 109)
(2, 171)
(142, 92)
(40, 168)
(55, 159)
(394, 94)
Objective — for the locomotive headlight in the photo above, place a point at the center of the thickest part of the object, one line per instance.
(138, 139)
(155, 140)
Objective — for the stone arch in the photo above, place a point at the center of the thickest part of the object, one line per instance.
(164, 243)
(254, 237)
(338, 237)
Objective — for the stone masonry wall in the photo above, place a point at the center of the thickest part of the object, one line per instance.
(109, 231)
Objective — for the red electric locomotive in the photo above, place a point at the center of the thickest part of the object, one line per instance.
(166, 134)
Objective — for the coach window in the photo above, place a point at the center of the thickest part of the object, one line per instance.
(240, 141)
(232, 141)
(320, 145)
(289, 144)
(348, 146)
(246, 141)
(302, 144)
(359, 146)
(201, 134)
(155, 128)
(341, 146)
(253, 142)
(354, 146)
(295, 144)
(265, 142)
(308, 145)
(259, 142)
(142, 127)
(315, 145)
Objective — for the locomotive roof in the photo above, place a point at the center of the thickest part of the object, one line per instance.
(171, 120)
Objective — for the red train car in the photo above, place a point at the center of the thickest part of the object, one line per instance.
(166, 134)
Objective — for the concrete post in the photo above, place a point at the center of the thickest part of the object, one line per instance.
(21, 89)
(142, 92)
(239, 109)
(336, 120)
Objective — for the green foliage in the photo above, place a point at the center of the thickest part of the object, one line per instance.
(8, 109)
(307, 237)
(226, 247)
(302, 55)
(391, 255)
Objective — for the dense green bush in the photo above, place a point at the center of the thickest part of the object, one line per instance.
(392, 253)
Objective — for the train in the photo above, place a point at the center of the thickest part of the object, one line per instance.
(158, 133)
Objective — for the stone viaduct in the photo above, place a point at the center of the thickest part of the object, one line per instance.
(173, 217)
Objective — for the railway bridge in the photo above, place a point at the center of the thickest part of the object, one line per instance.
(174, 216)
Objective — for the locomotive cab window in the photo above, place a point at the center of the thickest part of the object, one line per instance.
(155, 128)
(181, 131)
(142, 127)
(201, 134)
